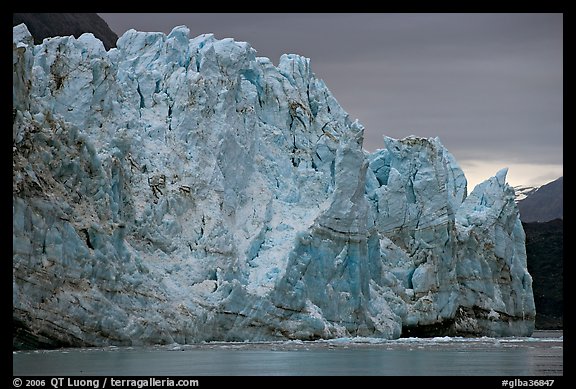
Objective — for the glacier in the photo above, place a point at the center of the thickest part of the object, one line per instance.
(178, 190)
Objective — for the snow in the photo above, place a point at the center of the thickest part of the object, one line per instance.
(523, 191)
(176, 190)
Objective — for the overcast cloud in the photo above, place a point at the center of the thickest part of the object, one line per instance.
(489, 85)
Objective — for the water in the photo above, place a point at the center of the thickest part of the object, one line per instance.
(538, 355)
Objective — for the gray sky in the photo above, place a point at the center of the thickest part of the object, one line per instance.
(489, 85)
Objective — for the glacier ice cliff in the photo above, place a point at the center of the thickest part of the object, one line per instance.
(185, 190)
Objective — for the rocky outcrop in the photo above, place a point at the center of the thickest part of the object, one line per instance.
(46, 25)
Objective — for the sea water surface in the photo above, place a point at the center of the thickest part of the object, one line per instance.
(539, 355)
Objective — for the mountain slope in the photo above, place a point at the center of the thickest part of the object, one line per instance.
(44, 25)
(544, 249)
(543, 204)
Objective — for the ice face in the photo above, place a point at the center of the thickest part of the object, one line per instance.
(181, 190)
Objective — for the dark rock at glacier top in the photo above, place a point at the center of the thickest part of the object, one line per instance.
(46, 25)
